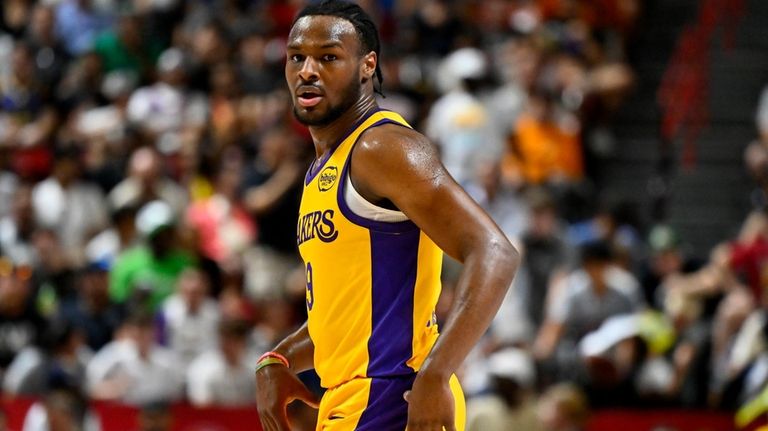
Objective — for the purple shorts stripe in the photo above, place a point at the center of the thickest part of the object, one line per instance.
(386, 410)
(394, 260)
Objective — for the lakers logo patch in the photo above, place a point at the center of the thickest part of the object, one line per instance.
(327, 178)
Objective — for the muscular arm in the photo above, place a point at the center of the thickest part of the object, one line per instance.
(396, 164)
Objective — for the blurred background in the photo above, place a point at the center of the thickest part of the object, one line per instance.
(150, 175)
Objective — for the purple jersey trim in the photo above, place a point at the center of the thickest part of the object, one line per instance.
(315, 167)
(394, 262)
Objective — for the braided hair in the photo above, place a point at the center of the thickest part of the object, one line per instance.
(364, 25)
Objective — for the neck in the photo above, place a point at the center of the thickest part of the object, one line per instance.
(328, 136)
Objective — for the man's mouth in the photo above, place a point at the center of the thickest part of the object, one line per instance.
(308, 96)
(308, 100)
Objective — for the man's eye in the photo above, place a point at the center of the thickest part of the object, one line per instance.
(297, 58)
(329, 57)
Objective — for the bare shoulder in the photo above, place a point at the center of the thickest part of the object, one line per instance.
(392, 146)
(392, 160)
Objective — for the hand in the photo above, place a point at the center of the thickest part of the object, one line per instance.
(430, 404)
(276, 387)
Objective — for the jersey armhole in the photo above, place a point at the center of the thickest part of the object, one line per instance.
(379, 225)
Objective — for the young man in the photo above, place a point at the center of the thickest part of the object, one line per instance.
(377, 207)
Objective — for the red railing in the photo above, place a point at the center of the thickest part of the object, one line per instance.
(683, 95)
(116, 417)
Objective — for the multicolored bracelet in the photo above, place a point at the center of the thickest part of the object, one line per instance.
(271, 358)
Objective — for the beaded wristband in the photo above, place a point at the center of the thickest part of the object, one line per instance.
(266, 362)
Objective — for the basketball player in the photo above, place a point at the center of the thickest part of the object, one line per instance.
(377, 208)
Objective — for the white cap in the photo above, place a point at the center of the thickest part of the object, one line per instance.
(512, 363)
(614, 330)
(171, 59)
(153, 216)
(461, 64)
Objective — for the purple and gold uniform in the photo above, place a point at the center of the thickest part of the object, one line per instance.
(372, 288)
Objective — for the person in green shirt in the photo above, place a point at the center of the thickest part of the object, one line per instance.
(146, 274)
(125, 48)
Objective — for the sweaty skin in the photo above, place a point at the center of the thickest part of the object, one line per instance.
(397, 167)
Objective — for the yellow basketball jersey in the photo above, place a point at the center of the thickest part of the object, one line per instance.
(372, 286)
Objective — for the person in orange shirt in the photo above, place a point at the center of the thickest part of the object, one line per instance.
(544, 147)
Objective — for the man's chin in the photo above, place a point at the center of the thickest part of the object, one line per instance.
(309, 118)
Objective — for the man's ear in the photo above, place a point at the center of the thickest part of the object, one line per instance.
(368, 67)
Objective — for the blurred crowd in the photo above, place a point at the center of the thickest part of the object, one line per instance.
(151, 170)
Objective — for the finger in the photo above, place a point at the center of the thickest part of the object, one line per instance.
(267, 423)
(273, 422)
(307, 397)
(406, 396)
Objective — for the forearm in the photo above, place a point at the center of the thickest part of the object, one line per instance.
(482, 285)
(298, 349)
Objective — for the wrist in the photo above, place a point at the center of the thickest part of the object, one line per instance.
(272, 358)
(433, 372)
(286, 353)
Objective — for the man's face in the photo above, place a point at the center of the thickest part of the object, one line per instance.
(323, 68)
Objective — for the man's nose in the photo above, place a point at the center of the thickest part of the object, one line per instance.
(308, 72)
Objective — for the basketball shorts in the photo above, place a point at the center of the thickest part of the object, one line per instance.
(375, 404)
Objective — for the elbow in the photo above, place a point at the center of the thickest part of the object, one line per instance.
(507, 257)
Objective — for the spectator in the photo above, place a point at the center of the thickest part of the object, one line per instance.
(258, 76)
(458, 123)
(29, 121)
(726, 380)
(81, 84)
(59, 363)
(145, 182)
(20, 323)
(563, 408)
(666, 260)
(545, 147)
(147, 274)
(500, 199)
(127, 47)
(223, 377)
(104, 130)
(14, 15)
(223, 226)
(78, 22)
(51, 58)
(63, 409)
(168, 111)
(134, 369)
(69, 206)
(190, 317)
(17, 228)
(511, 403)
(121, 235)
(581, 302)
(225, 99)
(547, 255)
(93, 312)
(272, 187)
